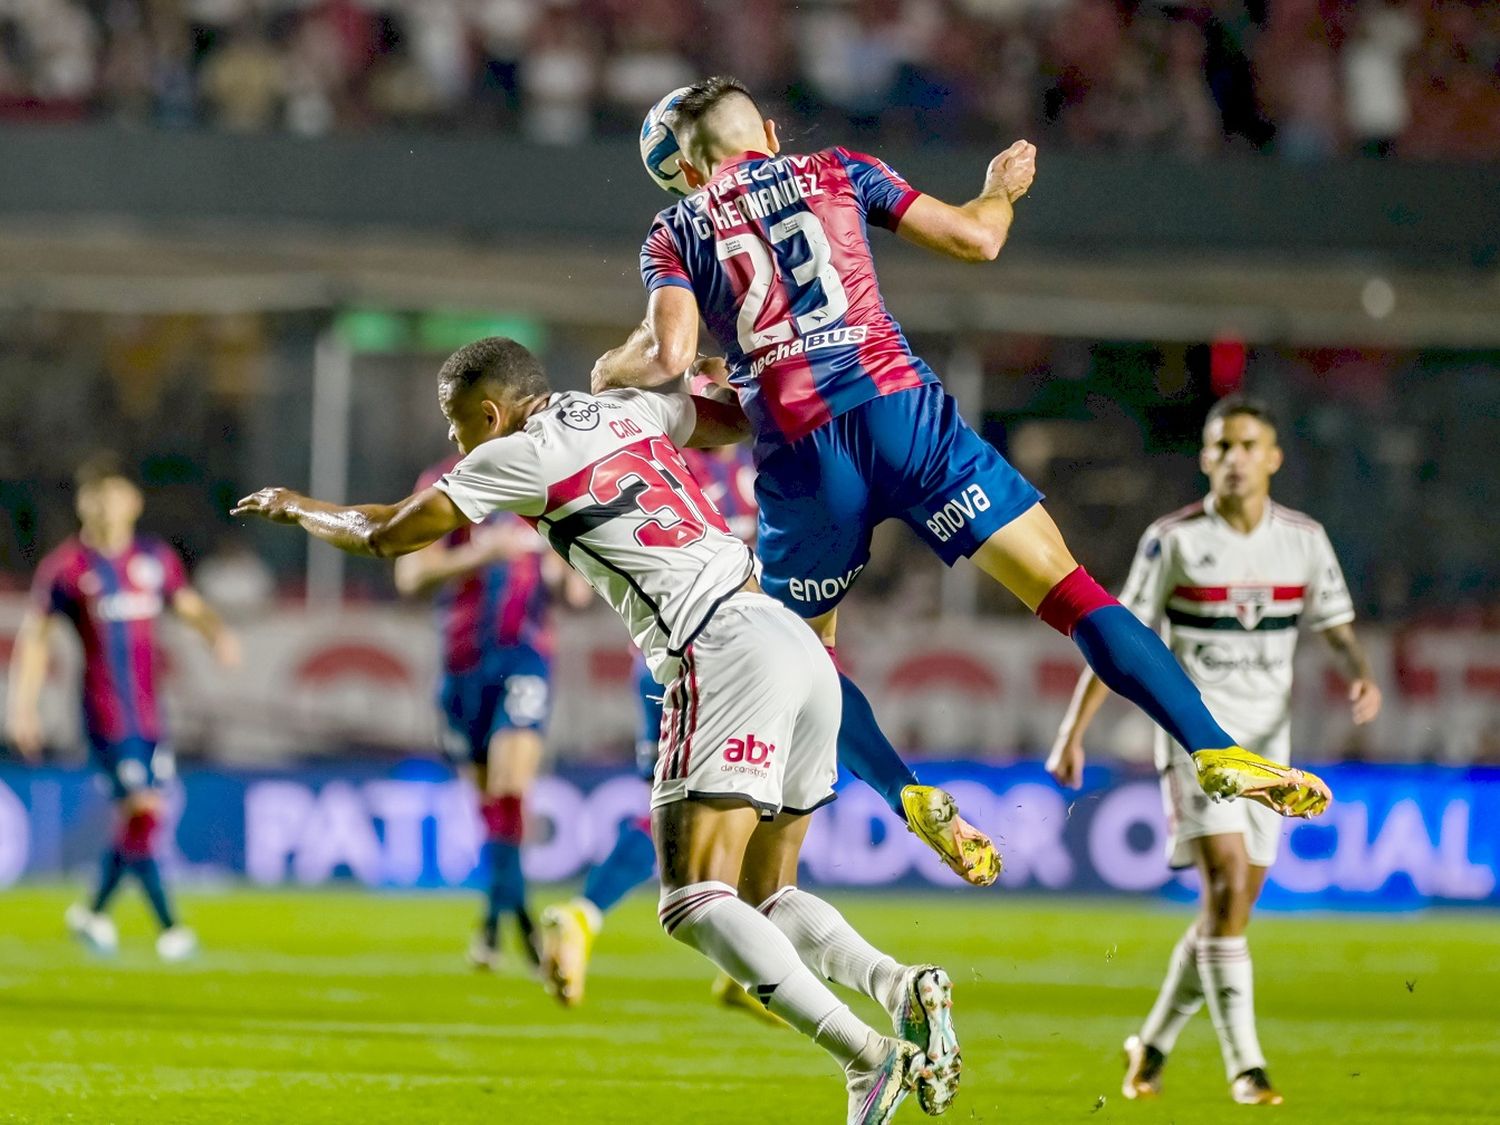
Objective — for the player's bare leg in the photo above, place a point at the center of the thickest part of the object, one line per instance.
(919, 998)
(515, 757)
(1029, 558)
(929, 812)
(702, 848)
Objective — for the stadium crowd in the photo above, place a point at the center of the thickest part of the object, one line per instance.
(1303, 79)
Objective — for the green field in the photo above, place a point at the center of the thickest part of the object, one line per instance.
(349, 1007)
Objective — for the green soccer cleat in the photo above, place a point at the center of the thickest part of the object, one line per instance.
(925, 1019)
(874, 1095)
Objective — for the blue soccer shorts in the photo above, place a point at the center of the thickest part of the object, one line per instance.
(908, 456)
(510, 690)
(129, 765)
(650, 695)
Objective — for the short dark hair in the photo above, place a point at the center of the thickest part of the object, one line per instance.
(498, 361)
(702, 96)
(98, 468)
(1241, 404)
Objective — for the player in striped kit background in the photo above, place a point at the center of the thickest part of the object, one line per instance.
(1230, 580)
(493, 586)
(112, 585)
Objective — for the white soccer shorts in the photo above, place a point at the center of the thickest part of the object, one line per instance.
(1192, 814)
(754, 713)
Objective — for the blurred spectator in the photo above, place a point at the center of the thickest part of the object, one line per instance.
(1311, 79)
(558, 80)
(244, 81)
(647, 57)
(234, 579)
(1375, 100)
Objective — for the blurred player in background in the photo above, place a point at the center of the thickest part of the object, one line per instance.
(727, 477)
(494, 583)
(112, 585)
(1233, 577)
(753, 701)
(852, 428)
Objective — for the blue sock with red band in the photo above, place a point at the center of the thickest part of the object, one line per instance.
(864, 749)
(631, 862)
(1131, 660)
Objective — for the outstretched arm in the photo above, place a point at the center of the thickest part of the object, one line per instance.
(378, 531)
(659, 350)
(977, 230)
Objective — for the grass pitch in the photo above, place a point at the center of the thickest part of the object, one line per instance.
(352, 1007)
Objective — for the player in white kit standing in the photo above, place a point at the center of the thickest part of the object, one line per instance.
(1229, 579)
(753, 702)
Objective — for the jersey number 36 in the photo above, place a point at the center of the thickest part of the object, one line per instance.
(661, 487)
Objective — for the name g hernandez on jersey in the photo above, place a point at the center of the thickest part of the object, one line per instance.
(782, 187)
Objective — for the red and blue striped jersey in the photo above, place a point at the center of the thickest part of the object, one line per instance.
(776, 250)
(114, 602)
(499, 606)
(727, 477)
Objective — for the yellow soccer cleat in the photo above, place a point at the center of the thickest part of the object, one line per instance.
(1143, 1067)
(932, 814)
(729, 992)
(568, 932)
(1237, 772)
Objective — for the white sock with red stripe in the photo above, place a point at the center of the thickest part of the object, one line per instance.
(741, 941)
(1180, 997)
(1229, 988)
(831, 947)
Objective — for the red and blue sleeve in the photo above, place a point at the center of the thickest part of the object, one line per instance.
(49, 592)
(173, 574)
(882, 192)
(661, 260)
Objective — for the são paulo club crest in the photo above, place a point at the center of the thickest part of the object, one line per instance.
(1250, 604)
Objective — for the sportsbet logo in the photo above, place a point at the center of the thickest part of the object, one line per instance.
(748, 751)
(958, 511)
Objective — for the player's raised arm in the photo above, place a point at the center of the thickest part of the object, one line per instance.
(378, 531)
(659, 350)
(975, 231)
(28, 672)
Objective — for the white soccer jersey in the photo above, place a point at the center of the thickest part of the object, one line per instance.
(1229, 605)
(602, 478)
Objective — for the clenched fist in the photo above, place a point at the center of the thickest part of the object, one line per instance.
(1012, 171)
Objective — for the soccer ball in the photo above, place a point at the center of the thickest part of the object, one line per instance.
(659, 147)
